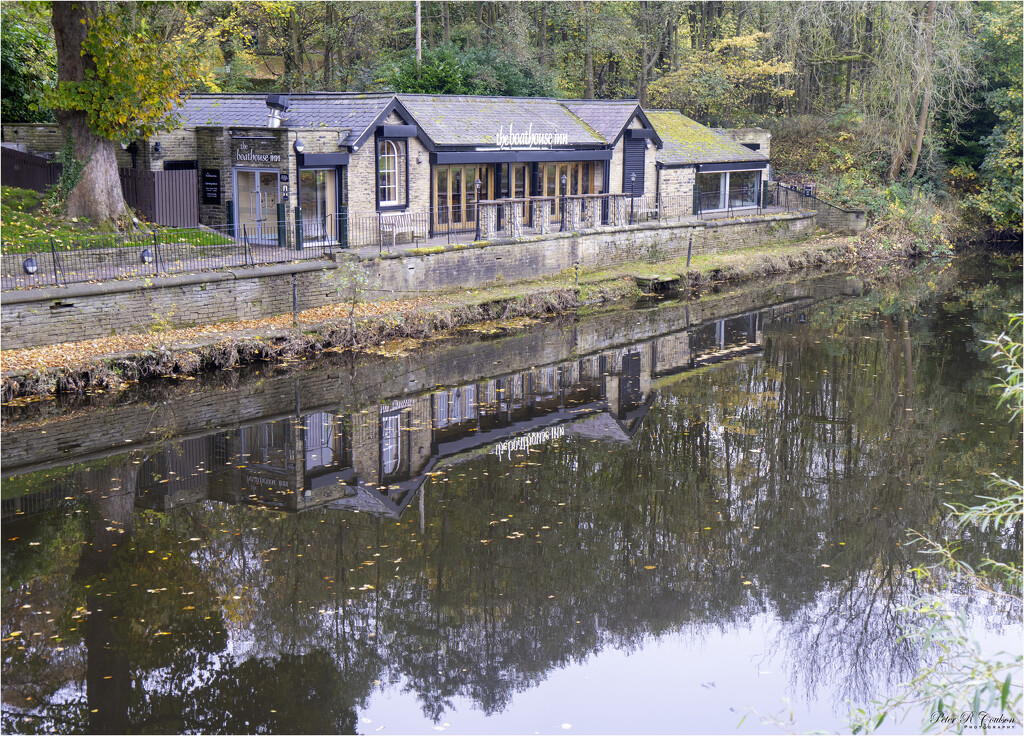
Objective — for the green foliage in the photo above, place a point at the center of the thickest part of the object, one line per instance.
(999, 199)
(28, 65)
(726, 84)
(450, 70)
(1008, 351)
(137, 80)
(70, 175)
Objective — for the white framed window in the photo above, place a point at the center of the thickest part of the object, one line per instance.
(390, 443)
(391, 163)
(732, 189)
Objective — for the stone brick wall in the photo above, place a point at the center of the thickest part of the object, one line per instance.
(829, 216)
(84, 311)
(37, 139)
(615, 168)
(175, 145)
(759, 136)
(676, 186)
(362, 181)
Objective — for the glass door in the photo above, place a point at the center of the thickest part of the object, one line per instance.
(256, 198)
(317, 199)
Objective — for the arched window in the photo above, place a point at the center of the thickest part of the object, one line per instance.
(390, 443)
(391, 172)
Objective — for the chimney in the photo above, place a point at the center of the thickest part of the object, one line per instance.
(276, 105)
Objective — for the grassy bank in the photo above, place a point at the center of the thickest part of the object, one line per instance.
(112, 363)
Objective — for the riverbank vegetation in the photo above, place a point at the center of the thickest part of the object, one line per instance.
(911, 110)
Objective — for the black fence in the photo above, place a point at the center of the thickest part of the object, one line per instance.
(54, 262)
(742, 201)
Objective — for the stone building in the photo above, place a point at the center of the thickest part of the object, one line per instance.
(345, 166)
(715, 170)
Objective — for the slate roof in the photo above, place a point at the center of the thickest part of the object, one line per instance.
(688, 142)
(352, 112)
(456, 120)
(607, 117)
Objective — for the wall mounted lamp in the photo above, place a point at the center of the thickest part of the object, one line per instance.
(299, 145)
(30, 265)
(146, 255)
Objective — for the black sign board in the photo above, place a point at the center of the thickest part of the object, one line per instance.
(211, 186)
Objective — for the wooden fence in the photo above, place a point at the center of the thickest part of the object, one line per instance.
(24, 170)
(168, 198)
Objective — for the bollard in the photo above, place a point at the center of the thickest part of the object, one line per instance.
(282, 227)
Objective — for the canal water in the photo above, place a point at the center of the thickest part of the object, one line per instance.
(681, 518)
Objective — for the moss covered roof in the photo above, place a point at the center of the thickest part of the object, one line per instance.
(688, 142)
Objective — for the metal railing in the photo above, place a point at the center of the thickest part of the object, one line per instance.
(60, 261)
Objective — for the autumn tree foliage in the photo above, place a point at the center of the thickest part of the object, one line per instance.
(118, 81)
(725, 82)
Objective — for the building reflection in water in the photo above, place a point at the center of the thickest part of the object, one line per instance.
(376, 460)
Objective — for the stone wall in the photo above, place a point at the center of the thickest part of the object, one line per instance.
(213, 146)
(85, 311)
(37, 139)
(829, 216)
(761, 137)
(676, 187)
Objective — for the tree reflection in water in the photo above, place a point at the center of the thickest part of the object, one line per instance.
(520, 525)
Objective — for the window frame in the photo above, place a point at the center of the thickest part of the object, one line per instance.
(401, 200)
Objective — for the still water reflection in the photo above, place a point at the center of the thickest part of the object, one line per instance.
(643, 521)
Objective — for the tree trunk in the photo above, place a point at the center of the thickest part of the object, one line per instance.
(97, 195)
(926, 92)
(294, 52)
(544, 35)
(108, 675)
(588, 59)
(419, 36)
(330, 24)
(446, 23)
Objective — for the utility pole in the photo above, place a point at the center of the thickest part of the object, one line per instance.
(419, 37)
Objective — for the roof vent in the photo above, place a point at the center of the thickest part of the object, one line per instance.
(276, 104)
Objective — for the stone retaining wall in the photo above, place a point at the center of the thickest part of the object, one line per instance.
(86, 311)
(207, 406)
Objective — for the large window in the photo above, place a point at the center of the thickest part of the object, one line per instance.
(728, 189)
(712, 191)
(743, 188)
(581, 177)
(391, 173)
(455, 194)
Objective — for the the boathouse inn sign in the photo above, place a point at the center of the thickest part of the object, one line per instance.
(255, 151)
(528, 139)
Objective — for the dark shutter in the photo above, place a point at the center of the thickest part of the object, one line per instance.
(633, 163)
